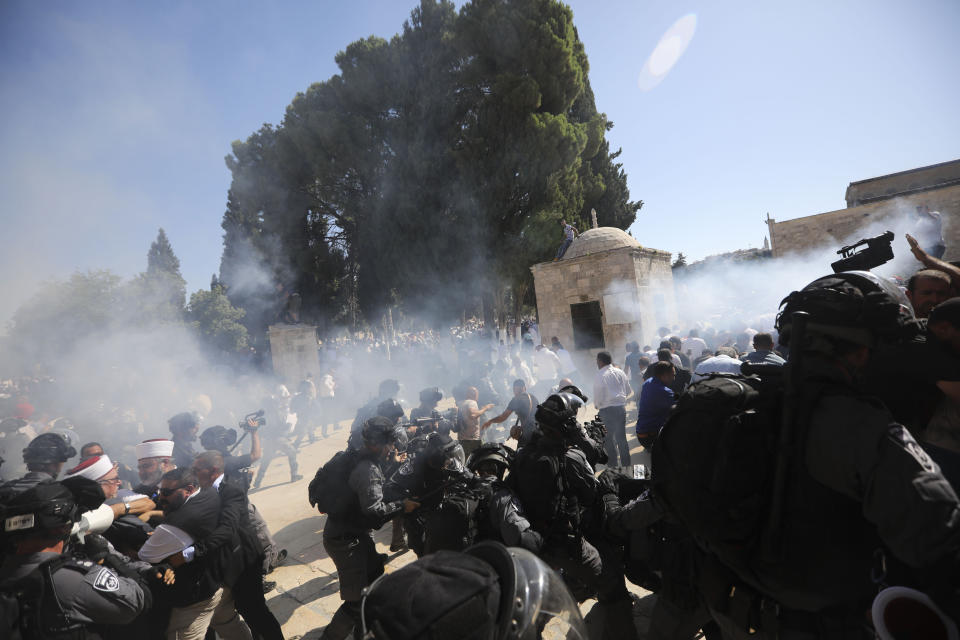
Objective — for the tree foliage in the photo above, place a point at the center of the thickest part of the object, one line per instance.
(160, 291)
(429, 173)
(59, 314)
(216, 321)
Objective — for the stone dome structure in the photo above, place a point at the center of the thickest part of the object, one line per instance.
(599, 240)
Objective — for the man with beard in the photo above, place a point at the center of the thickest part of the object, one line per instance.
(154, 458)
(197, 598)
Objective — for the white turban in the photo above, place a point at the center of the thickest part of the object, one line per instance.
(156, 448)
(92, 468)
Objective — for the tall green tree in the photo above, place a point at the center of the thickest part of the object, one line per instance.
(429, 173)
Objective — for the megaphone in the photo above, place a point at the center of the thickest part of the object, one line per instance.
(902, 612)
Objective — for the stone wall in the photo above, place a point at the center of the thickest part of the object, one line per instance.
(627, 282)
(864, 191)
(293, 348)
(831, 229)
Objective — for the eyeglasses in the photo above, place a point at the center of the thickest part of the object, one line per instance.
(110, 481)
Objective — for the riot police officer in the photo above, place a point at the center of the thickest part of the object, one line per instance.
(502, 518)
(56, 595)
(556, 486)
(347, 537)
(859, 489)
(44, 457)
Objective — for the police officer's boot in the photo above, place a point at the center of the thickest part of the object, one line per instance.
(341, 625)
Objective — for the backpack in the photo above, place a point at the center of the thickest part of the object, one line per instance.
(713, 462)
(329, 491)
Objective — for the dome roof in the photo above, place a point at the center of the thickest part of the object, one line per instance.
(599, 240)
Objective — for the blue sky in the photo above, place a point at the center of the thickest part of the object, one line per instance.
(117, 115)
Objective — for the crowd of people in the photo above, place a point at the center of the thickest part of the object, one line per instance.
(792, 475)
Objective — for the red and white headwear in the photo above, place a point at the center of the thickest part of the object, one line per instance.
(155, 448)
(92, 468)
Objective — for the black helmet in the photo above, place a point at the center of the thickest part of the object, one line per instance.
(855, 306)
(183, 422)
(389, 388)
(443, 452)
(46, 509)
(218, 438)
(559, 411)
(431, 395)
(378, 431)
(488, 591)
(9, 425)
(48, 448)
(390, 409)
(575, 390)
(490, 452)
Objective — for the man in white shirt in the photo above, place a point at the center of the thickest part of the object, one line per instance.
(567, 368)
(611, 390)
(547, 363)
(694, 345)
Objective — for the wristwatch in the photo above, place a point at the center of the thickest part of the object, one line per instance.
(126, 508)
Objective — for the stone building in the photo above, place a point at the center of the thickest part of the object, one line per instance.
(885, 202)
(605, 291)
(293, 349)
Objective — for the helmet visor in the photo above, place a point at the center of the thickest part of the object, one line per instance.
(550, 611)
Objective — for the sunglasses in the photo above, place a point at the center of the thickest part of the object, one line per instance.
(166, 493)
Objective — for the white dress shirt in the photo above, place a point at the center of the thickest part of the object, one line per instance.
(610, 388)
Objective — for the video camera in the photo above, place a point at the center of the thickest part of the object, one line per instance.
(253, 421)
(878, 252)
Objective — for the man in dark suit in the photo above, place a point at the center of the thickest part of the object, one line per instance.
(197, 598)
(234, 548)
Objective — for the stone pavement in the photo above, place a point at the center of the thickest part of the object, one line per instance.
(306, 595)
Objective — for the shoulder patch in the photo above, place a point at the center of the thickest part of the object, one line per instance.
(902, 437)
(106, 580)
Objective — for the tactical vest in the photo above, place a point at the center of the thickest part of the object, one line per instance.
(31, 608)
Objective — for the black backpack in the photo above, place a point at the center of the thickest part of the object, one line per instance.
(329, 490)
(713, 462)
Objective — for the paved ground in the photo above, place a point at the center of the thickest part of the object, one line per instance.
(306, 595)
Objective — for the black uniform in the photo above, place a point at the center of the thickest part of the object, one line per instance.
(506, 522)
(555, 484)
(864, 484)
(349, 543)
(86, 593)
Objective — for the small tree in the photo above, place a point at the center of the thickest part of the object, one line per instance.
(216, 321)
(680, 262)
(161, 289)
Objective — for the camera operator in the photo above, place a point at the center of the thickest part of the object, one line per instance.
(48, 593)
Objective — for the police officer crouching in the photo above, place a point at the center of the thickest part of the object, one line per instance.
(47, 594)
(347, 538)
(556, 486)
(505, 521)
